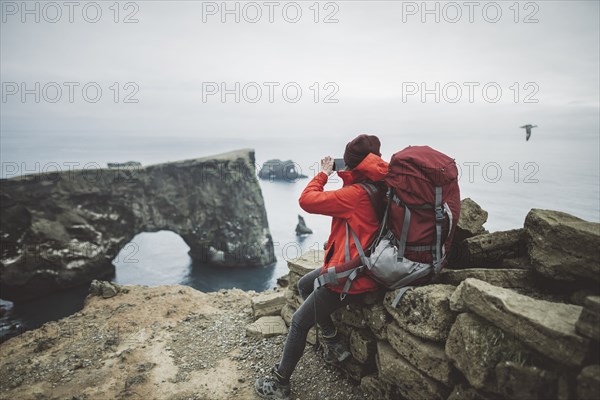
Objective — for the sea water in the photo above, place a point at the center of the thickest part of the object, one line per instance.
(506, 175)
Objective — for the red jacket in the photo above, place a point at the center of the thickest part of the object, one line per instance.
(350, 203)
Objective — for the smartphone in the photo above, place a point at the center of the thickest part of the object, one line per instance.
(338, 164)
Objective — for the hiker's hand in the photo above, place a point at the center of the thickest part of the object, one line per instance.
(327, 165)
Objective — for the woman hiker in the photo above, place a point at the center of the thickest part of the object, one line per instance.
(351, 204)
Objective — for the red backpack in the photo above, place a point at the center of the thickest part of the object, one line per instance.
(415, 175)
(423, 207)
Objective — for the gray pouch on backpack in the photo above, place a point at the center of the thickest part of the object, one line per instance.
(393, 271)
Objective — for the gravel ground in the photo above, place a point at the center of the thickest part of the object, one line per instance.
(194, 348)
(166, 342)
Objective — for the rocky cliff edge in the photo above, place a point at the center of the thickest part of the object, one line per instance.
(60, 230)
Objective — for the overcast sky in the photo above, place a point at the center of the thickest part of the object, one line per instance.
(376, 53)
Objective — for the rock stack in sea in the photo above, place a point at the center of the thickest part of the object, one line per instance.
(515, 315)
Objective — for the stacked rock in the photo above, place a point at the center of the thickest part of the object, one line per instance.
(266, 308)
(519, 320)
(299, 267)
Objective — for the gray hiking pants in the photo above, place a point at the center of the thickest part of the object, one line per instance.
(326, 301)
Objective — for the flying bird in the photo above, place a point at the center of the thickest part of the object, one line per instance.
(528, 129)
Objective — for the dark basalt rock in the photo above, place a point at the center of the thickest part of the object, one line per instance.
(281, 170)
(301, 228)
(63, 229)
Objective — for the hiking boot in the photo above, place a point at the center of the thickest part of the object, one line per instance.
(335, 350)
(273, 386)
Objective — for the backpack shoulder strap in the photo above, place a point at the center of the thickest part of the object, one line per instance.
(373, 191)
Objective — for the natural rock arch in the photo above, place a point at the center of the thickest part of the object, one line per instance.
(63, 229)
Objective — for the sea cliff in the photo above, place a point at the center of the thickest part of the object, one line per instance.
(63, 229)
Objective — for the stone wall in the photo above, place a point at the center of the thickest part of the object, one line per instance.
(524, 324)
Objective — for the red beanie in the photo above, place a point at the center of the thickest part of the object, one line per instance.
(359, 148)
